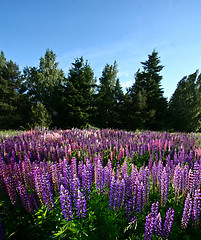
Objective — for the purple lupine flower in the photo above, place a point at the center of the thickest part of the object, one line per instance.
(158, 225)
(81, 205)
(75, 186)
(66, 203)
(26, 201)
(121, 193)
(196, 174)
(168, 223)
(185, 181)
(38, 182)
(73, 165)
(149, 226)
(154, 176)
(11, 188)
(154, 208)
(47, 190)
(164, 187)
(191, 187)
(128, 208)
(177, 181)
(196, 208)
(140, 200)
(55, 176)
(186, 212)
(79, 170)
(99, 176)
(112, 192)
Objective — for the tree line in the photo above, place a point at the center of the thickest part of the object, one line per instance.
(44, 96)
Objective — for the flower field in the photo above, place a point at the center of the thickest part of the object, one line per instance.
(100, 184)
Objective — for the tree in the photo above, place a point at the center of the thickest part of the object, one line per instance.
(45, 85)
(149, 80)
(79, 94)
(11, 94)
(185, 104)
(106, 96)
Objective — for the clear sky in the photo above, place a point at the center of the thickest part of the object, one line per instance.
(103, 31)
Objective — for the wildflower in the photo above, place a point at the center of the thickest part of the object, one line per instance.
(186, 212)
(66, 203)
(81, 205)
(168, 223)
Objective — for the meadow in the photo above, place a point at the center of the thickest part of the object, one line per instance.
(99, 184)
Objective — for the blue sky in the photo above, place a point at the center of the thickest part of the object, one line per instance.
(103, 31)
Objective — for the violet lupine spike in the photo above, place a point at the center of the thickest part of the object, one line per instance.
(73, 165)
(11, 188)
(99, 176)
(191, 187)
(196, 173)
(185, 181)
(75, 186)
(112, 192)
(25, 197)
(55, 176)
(81, 205)
(177, 182)
(168, 223)
(66, 203)
(154, 208)
(158, 225)
(79, 170)
(186, 212)
(38, 183)
(121, 193)
(149, 226)
(164, 187)
(47, 191)
(196, 208)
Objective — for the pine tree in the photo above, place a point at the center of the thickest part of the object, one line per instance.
(185, 104)
(45, 85)
(149, 79)
(10, 94)
(106, 96)
(79, 94)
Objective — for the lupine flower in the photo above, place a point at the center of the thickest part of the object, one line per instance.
(66, 203)
(196, 208)
(154, 208)
(81, 205)
(164, 187)
(47, 191)
(158, 225)
(186, 212)
(177, 182)
(25, 197)
(75, 186)
(99, 176)
(149, 226)
(168, 223)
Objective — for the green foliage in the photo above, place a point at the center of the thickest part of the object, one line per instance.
(39, 116)
(185, 104)
(79, 94)
(147, 103)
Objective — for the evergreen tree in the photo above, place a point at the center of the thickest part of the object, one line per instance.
(11, 99)
(149, 79)
(185, 104)
(106, 96)
(45, 85)
(118, 105)
(79, 94)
